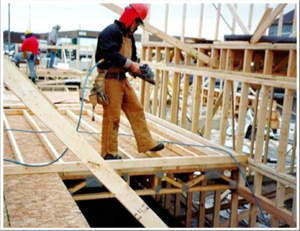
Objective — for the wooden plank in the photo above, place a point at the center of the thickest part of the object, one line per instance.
(175, 91)
(195, 181)
(167, 201)
(52, 151)
(237, 18)
(233, 20)
(196, 100)
(260, 31)
(269, 206)
(285, 127)
(279, 26)
(166, 17)
(242, 118)
(263, 104)
(271, 173)
(253, 78)
(268, 62)
(201, 20)
(145, 192)
(185, 94)
(164, 89)
(177, 206)
(250, 16)
(189, 205)
(217, 22)
(234, 204)
(292, 66)
(12, 140)
(183, 22)
(209, 110)
(259, 149)
(172, 181)
(30, 96)
(138, 168)
(225, 109)
(283, 141)
(179, 150)
(188, 134)
(201, 215)
(215, 109)
(269, 118)
(217, 204)
(147, 85)
(157, 81)
(266, 14)
(172, 40)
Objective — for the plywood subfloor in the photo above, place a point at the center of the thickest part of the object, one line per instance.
(42, 200)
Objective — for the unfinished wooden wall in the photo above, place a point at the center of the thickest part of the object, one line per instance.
(239, 76)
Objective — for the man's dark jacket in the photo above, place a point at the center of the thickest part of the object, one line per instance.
(109, 44)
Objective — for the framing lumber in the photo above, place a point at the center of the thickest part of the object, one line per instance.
(259, 79)
(29, 94)
(54, 154)
(269, 206)
(267, 13)
(12, 140)
(261, 30)
(237, 18)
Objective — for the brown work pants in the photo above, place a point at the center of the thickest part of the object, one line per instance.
(122, 96)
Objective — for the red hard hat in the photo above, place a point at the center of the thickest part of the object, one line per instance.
(141, 9)
(132, 12)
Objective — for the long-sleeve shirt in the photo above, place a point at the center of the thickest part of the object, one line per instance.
(31, 44)
(109, 44)
(52, 38)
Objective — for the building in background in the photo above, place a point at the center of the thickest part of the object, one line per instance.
(287, 25)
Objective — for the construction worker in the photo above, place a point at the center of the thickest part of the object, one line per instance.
(116, 46)
(52, 40)
(29, 51)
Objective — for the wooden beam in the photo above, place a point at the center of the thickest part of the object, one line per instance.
(145, 192)
(30, 96)
(42, 136)
(260, 31)
(271, 173)
(250, 17)
(160, 34)
(269, 206)
(217, 204)
(77, 168)
(13, 141)
(253, 78)
(237, 18)
(263, 18)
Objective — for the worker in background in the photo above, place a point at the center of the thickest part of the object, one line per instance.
(29, 51)
(116, 46)
(52, 40)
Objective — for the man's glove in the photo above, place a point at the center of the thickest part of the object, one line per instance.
(98, 91)
(146, 74)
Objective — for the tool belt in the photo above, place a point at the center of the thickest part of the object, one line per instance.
(119, 76)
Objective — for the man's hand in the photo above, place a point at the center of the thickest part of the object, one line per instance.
(135, 68)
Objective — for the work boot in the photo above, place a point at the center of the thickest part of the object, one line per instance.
(159, 147)
(109, 156)
(33, 80)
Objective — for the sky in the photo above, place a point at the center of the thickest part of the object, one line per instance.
(41, 16)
